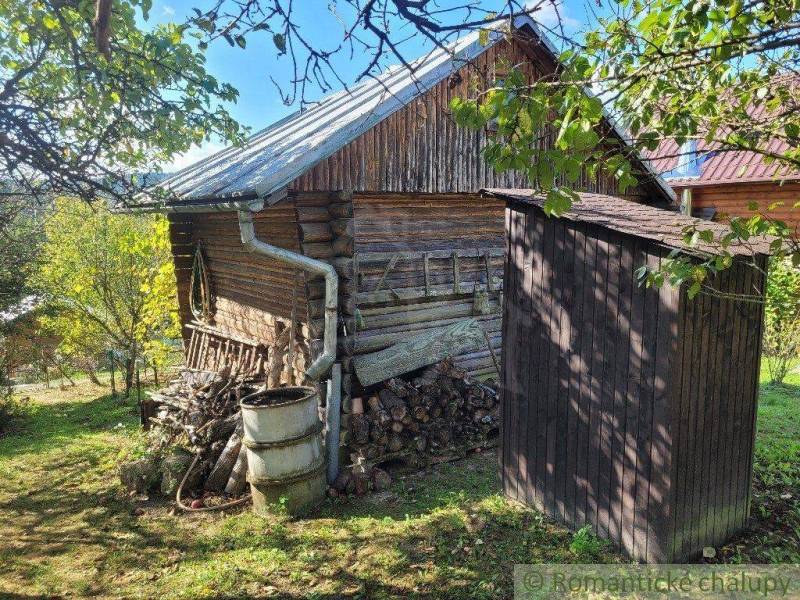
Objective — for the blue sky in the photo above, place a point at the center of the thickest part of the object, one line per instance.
(250, 69)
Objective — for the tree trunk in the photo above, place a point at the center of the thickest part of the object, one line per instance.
(129, 373)
(92, 376)
(155, 374)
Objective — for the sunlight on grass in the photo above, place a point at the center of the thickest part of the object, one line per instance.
(68, 527)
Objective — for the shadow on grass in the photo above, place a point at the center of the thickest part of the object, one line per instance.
(43, 426)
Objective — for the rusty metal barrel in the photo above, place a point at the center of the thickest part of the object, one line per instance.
(285, 455)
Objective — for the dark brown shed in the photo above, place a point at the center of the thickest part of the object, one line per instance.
(627, 408)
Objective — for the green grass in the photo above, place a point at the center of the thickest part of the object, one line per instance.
(67, 528)
(774, 535)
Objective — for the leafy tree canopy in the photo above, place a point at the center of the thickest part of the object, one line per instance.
(86, 101)
(112, 281)
(20, 240)
(721, 71)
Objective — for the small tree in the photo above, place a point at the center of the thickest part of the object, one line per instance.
(782, 319)
(111, 280)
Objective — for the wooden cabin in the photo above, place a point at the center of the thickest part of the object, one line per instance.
(627, 408)
(378, 181)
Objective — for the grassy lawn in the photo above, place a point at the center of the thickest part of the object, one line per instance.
(67, 529)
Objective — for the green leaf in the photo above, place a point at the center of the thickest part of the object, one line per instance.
(280, 42)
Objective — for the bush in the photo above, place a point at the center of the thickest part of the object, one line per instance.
(12, 410)
(782, 319)
(585, 545)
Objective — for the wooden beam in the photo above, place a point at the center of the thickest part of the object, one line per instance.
(418, 351)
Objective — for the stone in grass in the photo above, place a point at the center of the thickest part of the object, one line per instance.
(709, 552)
(140, 475)
(342, 480)
(381, 480)
(174, 467)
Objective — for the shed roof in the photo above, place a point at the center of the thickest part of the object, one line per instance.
(641, 220)
(274, 157)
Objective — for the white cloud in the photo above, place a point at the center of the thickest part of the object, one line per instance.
(168, 11)
(550, 12)
(196, 153)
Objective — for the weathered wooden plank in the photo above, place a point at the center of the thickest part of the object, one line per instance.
(562, 400)
(667, 370)
(620, 389)
(645, 426)
(586, 359)
(631, 482)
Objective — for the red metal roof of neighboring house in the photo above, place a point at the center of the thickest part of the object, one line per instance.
(718, 166)
(722, 166)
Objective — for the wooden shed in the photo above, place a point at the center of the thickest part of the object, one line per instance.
(627, 408)
(377, 181)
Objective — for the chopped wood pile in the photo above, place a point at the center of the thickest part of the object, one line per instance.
(196, 414)
(432, 412)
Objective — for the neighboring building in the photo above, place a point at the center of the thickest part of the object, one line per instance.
(722, 184)
(380, 183)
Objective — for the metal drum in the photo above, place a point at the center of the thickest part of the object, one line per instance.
(285, 456)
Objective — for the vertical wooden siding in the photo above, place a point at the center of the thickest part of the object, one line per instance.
(625, 408)
(419, 148)
(714, 406)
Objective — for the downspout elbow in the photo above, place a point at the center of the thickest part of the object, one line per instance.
(249, 240)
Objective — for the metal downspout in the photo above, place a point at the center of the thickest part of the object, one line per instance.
(323, 363)
(326, 360)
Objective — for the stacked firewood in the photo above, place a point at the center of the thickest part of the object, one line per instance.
(434, 412)
(198, 414)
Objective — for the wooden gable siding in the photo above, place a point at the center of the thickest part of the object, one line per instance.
(250, 291)
(732, 200)
(419, 148)
(626, 408)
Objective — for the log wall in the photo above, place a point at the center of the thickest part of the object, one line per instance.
(253, 298)
(628, 409)
(418, 261)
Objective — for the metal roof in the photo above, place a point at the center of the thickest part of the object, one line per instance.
(663, 226)
(722, 166)
(277, 155)
(715, 165)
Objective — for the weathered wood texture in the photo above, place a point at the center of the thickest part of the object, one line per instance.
(419, 148)
(417, 261)
(249, 291)
(625, 408)
(732, 200)
(418, 351)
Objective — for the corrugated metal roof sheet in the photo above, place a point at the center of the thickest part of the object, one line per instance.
(275, 156)
(723, 166)
(663, 226)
